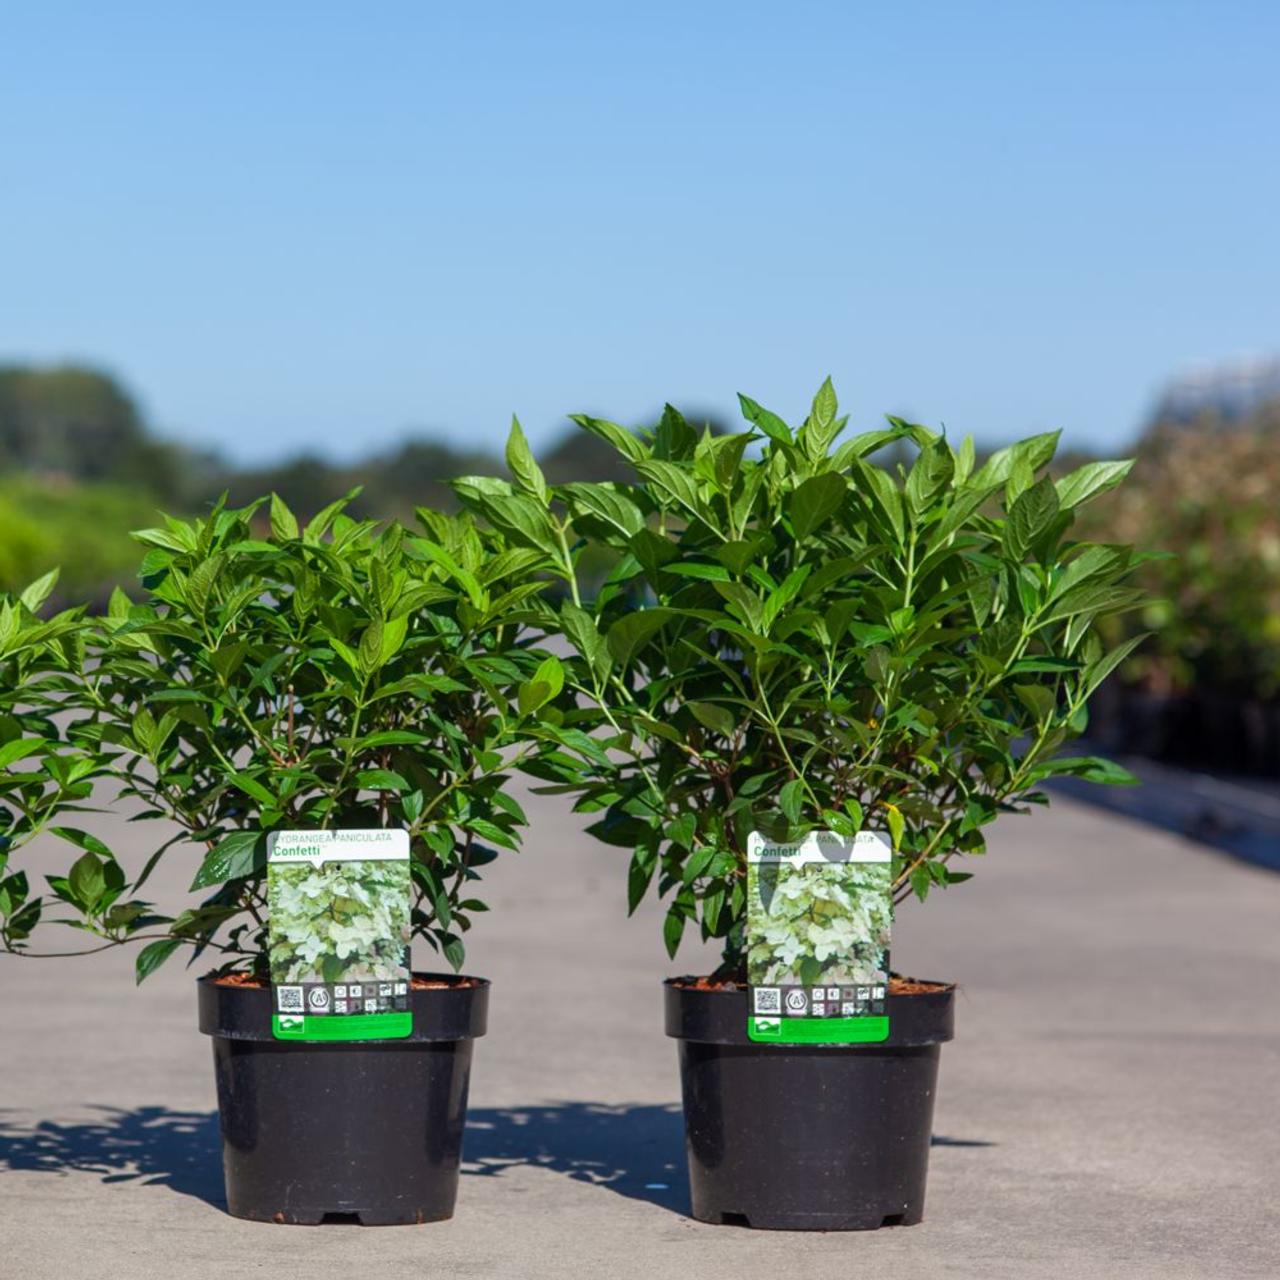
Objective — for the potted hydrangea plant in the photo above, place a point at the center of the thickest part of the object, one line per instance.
(321, 683)
(797, 643)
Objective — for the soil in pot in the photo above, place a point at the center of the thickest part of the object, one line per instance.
(364, 1131)
(807, 1137)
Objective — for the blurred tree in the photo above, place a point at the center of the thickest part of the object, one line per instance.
(578, 455)
(74, 421)
(391, 483)
(83, 528)
(414, 475)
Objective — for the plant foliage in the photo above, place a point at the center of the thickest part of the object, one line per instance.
(332, 674)
(42, 776)
(795, 637)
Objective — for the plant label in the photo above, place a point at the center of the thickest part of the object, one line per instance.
(819, 913)
(338, 934)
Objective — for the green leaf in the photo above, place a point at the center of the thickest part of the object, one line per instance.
(319, 524)
(545, 685)
(681, 830)
(1029, 517)
(673, 931)
(1038, 699)
(932, 472)
(704, 572)
(1077, 487)
(455, 952)
(528, 475)
(370, 649)
(517, 515)
(727, 454)
(791, 800)
(897, 825)
(743, 603)
(284, 524)
(1098, 671)
(550, 671)
(772, 425)
(631, 632)
(347, 654)
(21, 749)
(86, 880)
(152, 956)
(580, 628)
(876, 664)
(639, 875)
(921, 881)
(253, 788)
(1033, 453)
(382, 780)
(812, 503)
(1096, 769)
(673, 483)
(624, 441)
(162, 538)
(609, 503)
(652, 552)
(697, 863)
(39, 591)
(464, 577)
(881, 496)
(716, 718)
(674, 438)
(825, 405)
(237, 854)
(1091, 599)
(394, 631)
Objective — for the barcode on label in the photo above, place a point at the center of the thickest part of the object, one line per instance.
(289, 999)
(768, 1000)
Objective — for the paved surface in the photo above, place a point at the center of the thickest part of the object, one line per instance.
(1240, 816)
(1109, 1109)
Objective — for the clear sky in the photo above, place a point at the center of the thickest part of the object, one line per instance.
(320, 225)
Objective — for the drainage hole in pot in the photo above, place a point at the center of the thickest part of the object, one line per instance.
(892, 1220)
(341, 1219)
(734, 1220)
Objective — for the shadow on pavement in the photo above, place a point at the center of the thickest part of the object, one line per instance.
(635, 1151)
(176, 1149)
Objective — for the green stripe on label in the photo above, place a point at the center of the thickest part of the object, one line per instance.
(818, 1030)
(355, 1026)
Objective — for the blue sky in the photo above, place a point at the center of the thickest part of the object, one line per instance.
(323, 225)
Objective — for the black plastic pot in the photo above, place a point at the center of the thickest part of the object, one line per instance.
(812, 1137)
(359, 1131)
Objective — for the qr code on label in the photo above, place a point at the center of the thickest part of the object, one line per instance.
(768, 1000)
(289, 999)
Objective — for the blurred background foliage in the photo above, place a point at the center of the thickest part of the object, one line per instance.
(79, 468)
(1204, 689)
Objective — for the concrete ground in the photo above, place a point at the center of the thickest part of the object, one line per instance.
(1109, 1108)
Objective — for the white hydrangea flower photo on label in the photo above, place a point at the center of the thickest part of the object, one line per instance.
(819, 916)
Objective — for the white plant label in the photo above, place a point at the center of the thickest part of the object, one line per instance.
(339, 906)
(819, 915)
